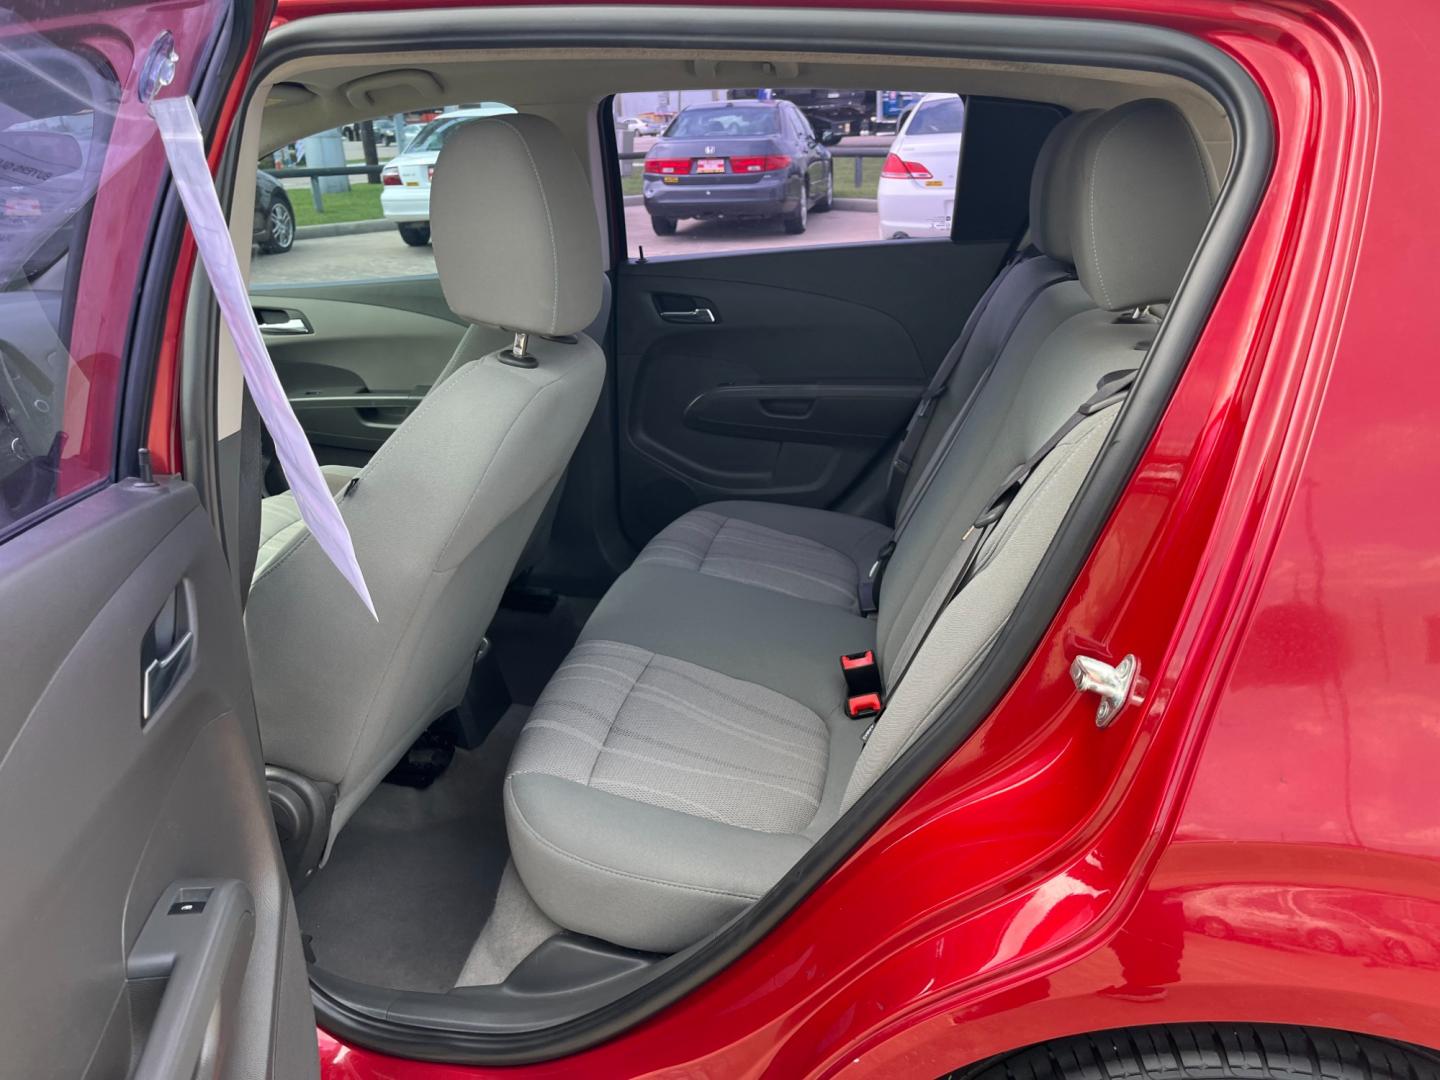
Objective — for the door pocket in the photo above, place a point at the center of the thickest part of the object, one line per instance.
(819, 413)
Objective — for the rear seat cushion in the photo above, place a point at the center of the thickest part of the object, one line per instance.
(815, 555)
(649, 798)
(790, 646)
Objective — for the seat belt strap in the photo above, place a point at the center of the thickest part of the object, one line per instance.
(1110, 390)
(869, 592)
(932, 467)
(870, 584)
(939, 382)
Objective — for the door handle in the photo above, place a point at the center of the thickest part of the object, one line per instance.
(165, 653)
(696, 315)
(288, 328)
(282, 322)
(196, 935)
(162, 673)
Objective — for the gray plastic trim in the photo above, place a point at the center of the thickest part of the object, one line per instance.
(195, 936)
(1098, 43)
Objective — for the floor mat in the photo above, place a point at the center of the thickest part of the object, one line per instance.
(414, 874)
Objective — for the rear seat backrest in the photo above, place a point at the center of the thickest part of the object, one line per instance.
(1016, 288)
(1143, 197)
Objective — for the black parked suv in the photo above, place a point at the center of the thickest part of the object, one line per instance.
(738, 159)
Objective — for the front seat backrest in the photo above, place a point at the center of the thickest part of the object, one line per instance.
(440, 514)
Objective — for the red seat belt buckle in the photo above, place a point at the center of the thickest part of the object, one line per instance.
(862, 674)
(863, 705)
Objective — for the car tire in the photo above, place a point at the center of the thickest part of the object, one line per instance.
(415, 235)
(279, 228)
(799, 218)
(827, 201)
(664, 226)
(1212, 1052)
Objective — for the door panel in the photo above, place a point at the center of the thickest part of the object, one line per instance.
(336, 345)
(145, 920)
(798, 388)
(102, 812)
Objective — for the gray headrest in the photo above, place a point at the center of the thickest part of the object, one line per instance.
(512, 218)
(1141, 206)
(1052, 187)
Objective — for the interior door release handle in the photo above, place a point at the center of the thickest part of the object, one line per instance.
(162, 673)
(290, 327)
(694, 315)
(165, 651)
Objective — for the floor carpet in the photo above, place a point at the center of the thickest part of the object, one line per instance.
(414, 874)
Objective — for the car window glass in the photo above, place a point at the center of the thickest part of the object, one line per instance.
(57, 114)
(938, 118)
(712, 171)
(723, 122)
(367, 216)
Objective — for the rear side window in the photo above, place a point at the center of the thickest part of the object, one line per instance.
(57, 411)
(707, 172)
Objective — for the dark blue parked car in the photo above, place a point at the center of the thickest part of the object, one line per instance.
(738, 159)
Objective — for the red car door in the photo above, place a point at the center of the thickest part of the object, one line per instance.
(145, 918)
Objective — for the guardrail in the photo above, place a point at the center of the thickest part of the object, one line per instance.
(859, 153)
(314, 175)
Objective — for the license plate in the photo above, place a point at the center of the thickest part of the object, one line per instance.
(710, 165)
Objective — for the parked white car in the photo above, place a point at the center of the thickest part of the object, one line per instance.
(640, 125)
(405, 196)
(916, 194)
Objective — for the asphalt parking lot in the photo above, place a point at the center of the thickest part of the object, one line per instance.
(384, 254)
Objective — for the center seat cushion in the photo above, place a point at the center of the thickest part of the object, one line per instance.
(696, 714)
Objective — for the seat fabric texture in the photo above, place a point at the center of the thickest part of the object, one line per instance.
(695, 743)
(441, 513)
(811, 554)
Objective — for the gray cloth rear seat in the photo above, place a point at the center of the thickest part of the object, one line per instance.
(822, 555)
(816, 555)
(694, 744)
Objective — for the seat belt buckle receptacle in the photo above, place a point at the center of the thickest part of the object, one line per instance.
(862, 674)
(860, 706)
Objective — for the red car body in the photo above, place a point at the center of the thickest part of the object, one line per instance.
(1260, 840)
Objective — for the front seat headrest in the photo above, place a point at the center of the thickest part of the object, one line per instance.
(1052, 187)
(512, 217)
(1144, 198)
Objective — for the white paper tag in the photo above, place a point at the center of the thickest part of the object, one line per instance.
(185, 147)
